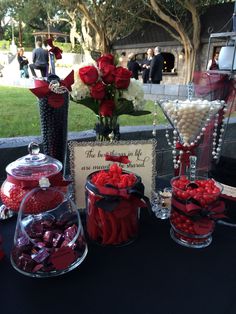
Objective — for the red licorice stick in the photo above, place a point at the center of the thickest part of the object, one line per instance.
(114, 226)
(105, 230)
(123, 210)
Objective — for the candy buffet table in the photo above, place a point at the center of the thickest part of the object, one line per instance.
(151, 276)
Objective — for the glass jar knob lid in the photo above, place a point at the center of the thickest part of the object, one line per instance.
(33, 148)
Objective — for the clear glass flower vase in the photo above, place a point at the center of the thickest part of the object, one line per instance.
(107, 128)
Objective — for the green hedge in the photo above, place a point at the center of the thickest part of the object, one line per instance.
(4, 45)
(66, 47)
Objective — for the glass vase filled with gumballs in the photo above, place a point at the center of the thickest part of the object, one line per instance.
(195, 207)
(191, 119)
(23, 175)
(195, 201)
(49, 238)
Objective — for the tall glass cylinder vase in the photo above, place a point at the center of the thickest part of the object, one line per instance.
(107, 128)
(54, 128)
(53, 99)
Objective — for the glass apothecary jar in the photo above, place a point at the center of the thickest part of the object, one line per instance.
(49, 238)
(195, 206)
(113, 201)
(23, 175)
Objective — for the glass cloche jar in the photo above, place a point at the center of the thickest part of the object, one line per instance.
(49, 237)
(23, 175)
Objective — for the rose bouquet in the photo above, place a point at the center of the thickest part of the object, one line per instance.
(109, 91)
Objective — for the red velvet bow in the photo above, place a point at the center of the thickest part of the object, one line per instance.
(54, 99)
(55, 50)
(214, 210)
(121, 159)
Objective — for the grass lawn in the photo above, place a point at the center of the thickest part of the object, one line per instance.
(19, 114)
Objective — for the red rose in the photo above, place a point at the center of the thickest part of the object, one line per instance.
(122, 78)
(98, 91)
(88, 75)
(105, 59)
(107, 107)
(108, 73)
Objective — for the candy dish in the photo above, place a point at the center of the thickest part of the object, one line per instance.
(24, 174)
(194, 211)
(49, 243)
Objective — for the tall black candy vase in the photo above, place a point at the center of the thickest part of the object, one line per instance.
(54, 128)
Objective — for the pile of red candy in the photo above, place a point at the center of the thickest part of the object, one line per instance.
(205, 193)
(115, 177)
(114, 226)
(41, 201)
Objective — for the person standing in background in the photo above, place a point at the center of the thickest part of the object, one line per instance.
(156, 67)
(146, 65)
(123, 59)
(133, 66)
(40, 60)
(23, 62)
(213, 64)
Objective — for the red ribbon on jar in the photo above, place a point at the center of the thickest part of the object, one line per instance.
(195, 211)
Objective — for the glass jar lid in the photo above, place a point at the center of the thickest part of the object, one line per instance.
(34, 165)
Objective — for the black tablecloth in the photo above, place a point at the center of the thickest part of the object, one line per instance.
(153, 275)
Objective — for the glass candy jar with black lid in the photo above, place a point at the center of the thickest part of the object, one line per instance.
(23, 175)
(50, 241)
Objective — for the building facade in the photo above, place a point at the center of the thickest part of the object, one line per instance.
(151, 35)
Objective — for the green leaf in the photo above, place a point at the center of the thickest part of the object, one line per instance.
(125, 106)
(89, 103)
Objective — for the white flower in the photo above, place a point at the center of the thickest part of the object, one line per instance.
(135, 94)
(79, 89)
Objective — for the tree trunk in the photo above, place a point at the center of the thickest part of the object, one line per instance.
(20, 33)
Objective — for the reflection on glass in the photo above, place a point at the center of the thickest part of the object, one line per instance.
(161, 203)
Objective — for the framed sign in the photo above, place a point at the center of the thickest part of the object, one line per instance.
(88, 157)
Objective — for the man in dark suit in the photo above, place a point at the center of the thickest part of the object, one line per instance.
(40, 60)
(156, 67)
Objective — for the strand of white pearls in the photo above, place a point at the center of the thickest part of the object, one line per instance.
(217, 143)
(171, 110)
(154, 123)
